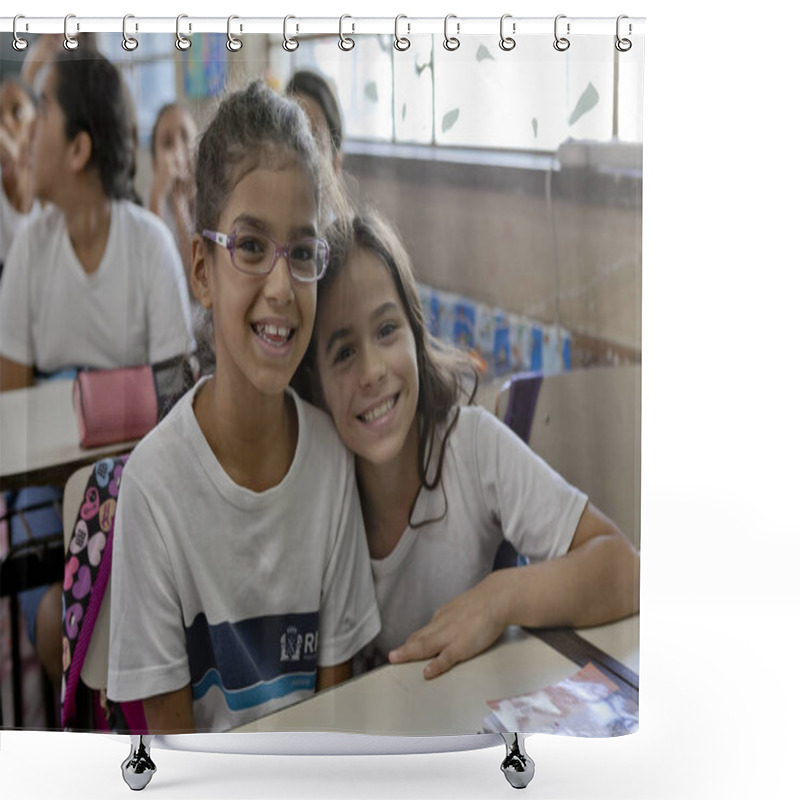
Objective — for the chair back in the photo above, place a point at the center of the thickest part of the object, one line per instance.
(518, 396)
(523, 392)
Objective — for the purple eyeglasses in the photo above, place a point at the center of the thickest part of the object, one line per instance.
(254, 253)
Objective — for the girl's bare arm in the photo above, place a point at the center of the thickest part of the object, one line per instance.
(595, 582)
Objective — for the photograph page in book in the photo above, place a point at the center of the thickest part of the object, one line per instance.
(587, 704)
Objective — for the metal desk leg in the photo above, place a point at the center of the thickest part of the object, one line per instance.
(138, 768)
(518, 766)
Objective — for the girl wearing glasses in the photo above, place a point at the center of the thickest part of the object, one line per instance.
(442, 486)
(240, 578)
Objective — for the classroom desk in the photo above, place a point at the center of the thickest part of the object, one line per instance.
(39, 437)
(396, 700)
(619, 639)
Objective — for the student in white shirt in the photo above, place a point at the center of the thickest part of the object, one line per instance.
(240, 576)
(92, 281)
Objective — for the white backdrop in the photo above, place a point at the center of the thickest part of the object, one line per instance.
(720, 599)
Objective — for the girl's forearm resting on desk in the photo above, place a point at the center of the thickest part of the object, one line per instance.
(596, 582)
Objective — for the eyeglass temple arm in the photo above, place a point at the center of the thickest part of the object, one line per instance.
(216, 236)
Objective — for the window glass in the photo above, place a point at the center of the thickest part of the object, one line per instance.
(590, 88)
(631, 76)
(537, 104)
(149, 71)
(413, 92)
(362, 78)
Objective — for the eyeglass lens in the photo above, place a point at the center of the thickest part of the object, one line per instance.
(255, 252)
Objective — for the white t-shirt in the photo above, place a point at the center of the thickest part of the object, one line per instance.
(11, 221)
(134, 309)
(168, 215)
(493, 486)
(240, 594)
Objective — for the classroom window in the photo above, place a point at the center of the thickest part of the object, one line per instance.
(157, 74)
(150, 72)
(427, 95)
(363, 81)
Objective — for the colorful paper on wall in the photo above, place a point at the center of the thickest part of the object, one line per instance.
(205, 67)
(503, 342)
(464, 324)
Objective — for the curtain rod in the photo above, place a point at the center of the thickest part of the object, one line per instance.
(300, 25)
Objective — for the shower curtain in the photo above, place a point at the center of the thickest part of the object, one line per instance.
(511, 169)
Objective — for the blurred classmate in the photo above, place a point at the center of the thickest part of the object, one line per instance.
(133, 141)
(442, 485)
(45, 47)
(17, 203)
(92, 281)
(172, 193)
(255, 589)
(318, 99)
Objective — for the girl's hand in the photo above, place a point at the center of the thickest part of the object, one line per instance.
(9, 150)
(183, 197)
(165, 175)
(459, 630)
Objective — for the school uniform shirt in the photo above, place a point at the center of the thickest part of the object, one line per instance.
(493, 486)
(11, 221)
(168, 215)
(133, 309)
(241, 595)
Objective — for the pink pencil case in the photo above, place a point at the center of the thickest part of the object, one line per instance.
(114, 405)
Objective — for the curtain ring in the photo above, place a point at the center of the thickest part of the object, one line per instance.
(289, 44)
(345, 42)
(451, 42)
(623, 45)
(181, 42)
(561, 43)
(233, 44)
(19, 43)
(128, 42)
(70, 42)
(506, 42)
(401, 43)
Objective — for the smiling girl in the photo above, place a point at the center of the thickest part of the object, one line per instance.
(240, 577)
(441, 485)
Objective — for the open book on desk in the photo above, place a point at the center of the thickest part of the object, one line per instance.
(587, 704)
